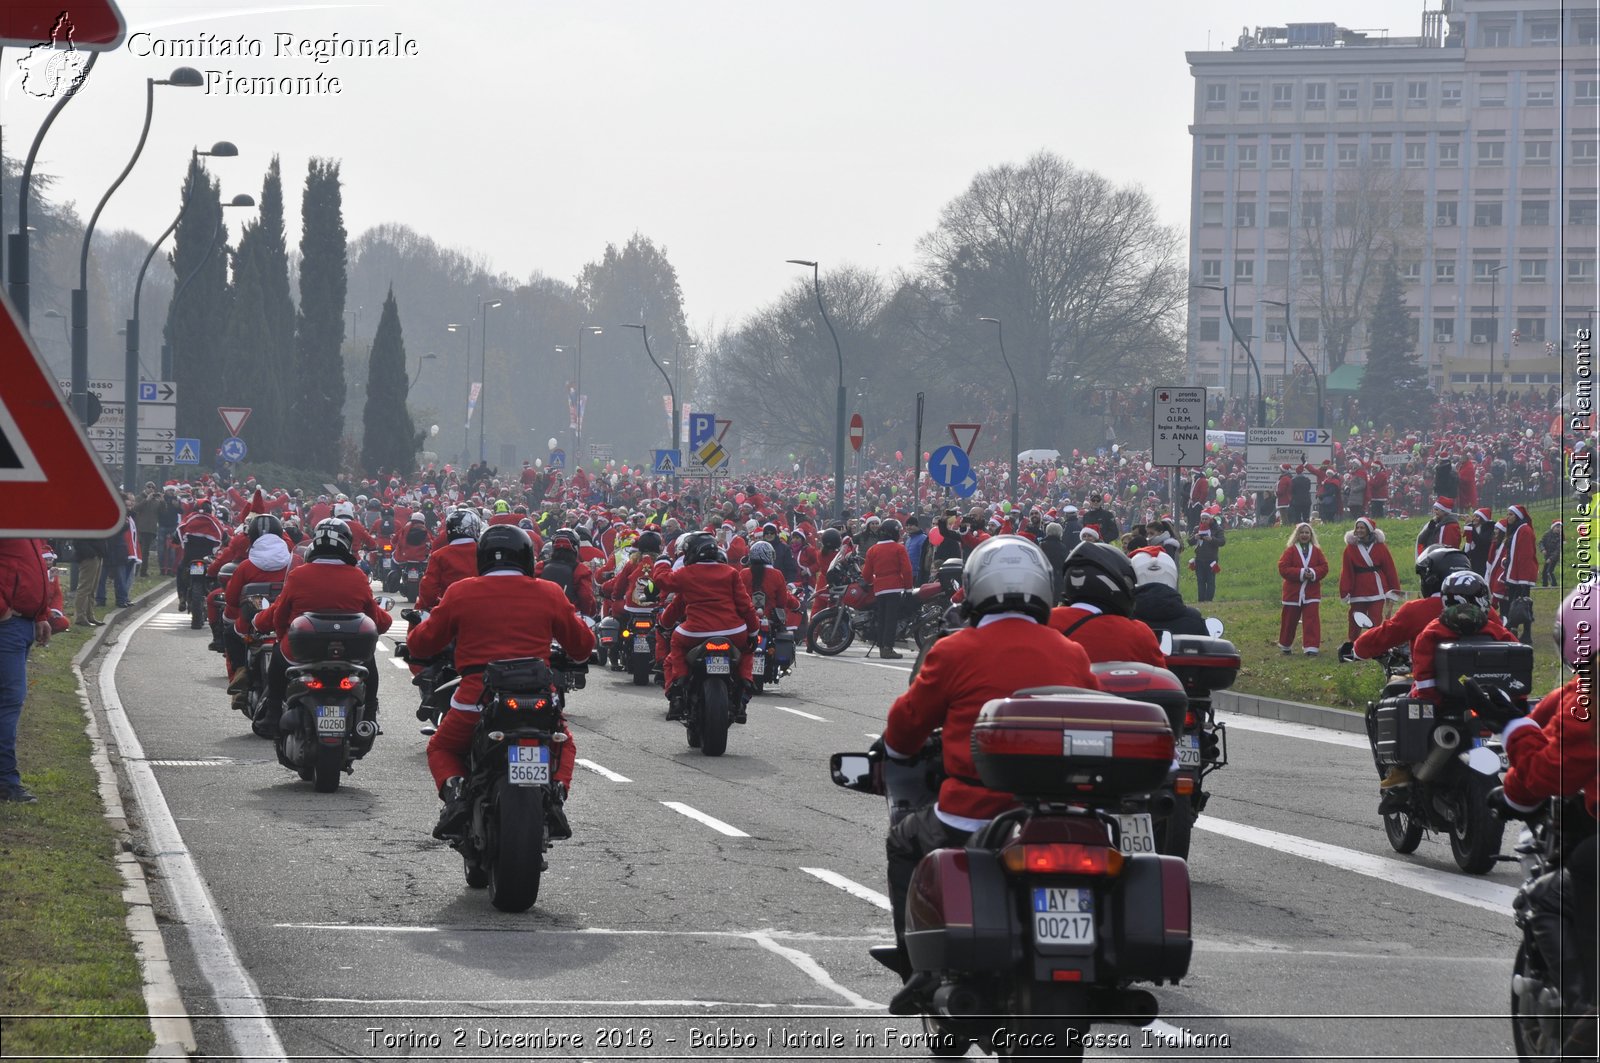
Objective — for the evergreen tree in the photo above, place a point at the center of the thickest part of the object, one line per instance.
(1394, 390)
(197, 317)
(277, 337)
(389, 440)
(245, 380)
(319, 336)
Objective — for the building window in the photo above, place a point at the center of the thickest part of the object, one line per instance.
(1542, 94)
(1416, 94)
(1210, 329)
(1485, 330)
(1535, 212)
(1244, 216)
(1492, 94)
(1411, 271)
(1445, 212)
(1211, 270)
(1282, 96)
(1382, 152)
(1450, 94)
(1310, 269)
(1280, 155)
(1449, 153)
(1344, 211)
(1588, 29)
(1444, 330)
(1216, 155)
(1483, 270)
(1411, 211)
(1211, 214)
(1347, 154)
(1586, 91)
(1278, 216)
(1316, 96)
(1383, 94)
(1584, 152)
(1544, 31)
(1349, 94)
(1494, 35)
(1536, 153)
(1247, 155)
(1571, 325)
(1485, 215)
(1581, 212)
(1311, 210)
(1249, 97)
(1534, 270)
(1580, 269)
(1416, 153)
(1491, 153)
(1444, 271)
(1216, 97)
(1317, 153)
(1529, 330)
(1277, 272)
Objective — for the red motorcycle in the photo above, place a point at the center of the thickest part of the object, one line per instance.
(843, 611)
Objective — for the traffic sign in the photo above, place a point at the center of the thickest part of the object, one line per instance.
(702, 426)
(557, 460)
(106, 389)
(111, 451)
(233, 449)
(1267, 450)
(92, 25)
(50, 482)
(157, 392)
(159, 415)
(186, 451)
(711, 454)
(234, 417)
(968, 429)
(857, 431)
(1178, 426)
(949, 466)
(966, 487)
(146, 435)
(666, 462)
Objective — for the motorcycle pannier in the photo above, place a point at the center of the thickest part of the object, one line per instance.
(783, 648)
(1069, 744)
(1154, 894)
(1402, 727)
(1507, 665)
(1138, 681)
(332, 637)
(959, 914)
(1203, 663)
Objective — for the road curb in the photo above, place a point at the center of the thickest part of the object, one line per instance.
(169, 1019)
(1290, 711)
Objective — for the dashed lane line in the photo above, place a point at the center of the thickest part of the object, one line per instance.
(850, 886)
(711, 821)
(1302, 731)
(602, 771)
(797, 712)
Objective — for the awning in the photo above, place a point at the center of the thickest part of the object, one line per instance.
(1346, 378)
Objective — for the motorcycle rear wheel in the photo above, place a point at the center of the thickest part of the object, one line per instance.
(517, 847)
(639, 665)
(327, 764)
(1174, 833)
(197, 608)
(831, 632)
(714, 717)
(927, 628)
(1475, 837)
(1403, 830)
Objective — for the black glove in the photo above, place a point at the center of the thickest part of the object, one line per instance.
(1503, 809)
(411, 616)
(1495, 706)
(1347, 652)
(400, 651)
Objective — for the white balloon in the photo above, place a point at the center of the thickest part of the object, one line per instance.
(538, 463)
(553, 443)
(434, 430)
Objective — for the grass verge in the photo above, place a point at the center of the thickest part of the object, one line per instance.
(66, 948)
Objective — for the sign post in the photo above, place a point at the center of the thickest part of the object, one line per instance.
(916, 453)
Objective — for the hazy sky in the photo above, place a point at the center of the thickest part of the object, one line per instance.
(737, 134)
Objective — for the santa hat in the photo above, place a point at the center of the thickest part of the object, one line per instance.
(1499, 525)
(1484, 513)
(1445, 505)
(1371, 527)
(1518, 512)
(1555, 524)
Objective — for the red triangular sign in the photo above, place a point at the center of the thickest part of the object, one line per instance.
(51, 484)
(234, 417)
(970, 431)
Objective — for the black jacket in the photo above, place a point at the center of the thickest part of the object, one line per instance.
(1101, 518)
(1205, 550)
(1161, 609)
(1056, 551)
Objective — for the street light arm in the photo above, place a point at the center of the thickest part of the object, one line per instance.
(144, 133)
(138, 285)
(38, 138)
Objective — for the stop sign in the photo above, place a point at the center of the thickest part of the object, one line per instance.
(857, 431)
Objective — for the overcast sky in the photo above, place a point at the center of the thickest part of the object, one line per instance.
(737, 134)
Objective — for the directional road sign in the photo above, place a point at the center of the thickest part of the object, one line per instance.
(857, 431)
(113, 415)
(234, 417)
(966, 487)
(948, 466)
(111, 452)
(702, 426)
(106, 389)
(557, 460)
(1267, 450)
(146, 435)
(1178, 424)
(666, 462)
(157, 391)
(233, 449)
(186, 451)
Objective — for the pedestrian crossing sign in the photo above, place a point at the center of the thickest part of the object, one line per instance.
(186, 452)
(666, 462)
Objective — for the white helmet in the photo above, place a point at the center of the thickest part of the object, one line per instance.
(344, 511)
(1008, 573)
(1154, 566)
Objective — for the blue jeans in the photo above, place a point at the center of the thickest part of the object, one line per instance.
(16, 635)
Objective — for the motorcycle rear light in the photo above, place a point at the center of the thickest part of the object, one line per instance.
(1155, 745)
(1190, 719)
(511, 703)
(313, 684)
(642, 625)
(1070, 975)
(1184, 785)
(387, 548)
(719, 646)
(1018, 742)
(1061, 858)
(347, 683)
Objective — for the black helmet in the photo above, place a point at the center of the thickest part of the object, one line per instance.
(1099, 575)
(705, 549)
(565, 539)
(331, 538)
(1437, 562)
(889, 531)
(505, 546)
(648, 543)
(263, 524)
(830, 539)
(463, 524)
(1466, 602)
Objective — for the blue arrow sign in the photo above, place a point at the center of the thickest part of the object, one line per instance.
(949, 466)
(186, 452)
(966, 487)
(702, 426)
(557, 459)
(233, 449)
(667, 461)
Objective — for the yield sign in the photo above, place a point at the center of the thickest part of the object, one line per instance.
(969, 430)
(50, 482)
(857, 431)
(234, 417)
(92, 25)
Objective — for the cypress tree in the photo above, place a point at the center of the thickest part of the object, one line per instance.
(319, 333)
(277, 338)
(197, 315)
(247, 380)
(1394, 389)
(389, 439)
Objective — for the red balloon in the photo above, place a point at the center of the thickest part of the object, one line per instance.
(739, 498)
(924, 455)
(899, 456)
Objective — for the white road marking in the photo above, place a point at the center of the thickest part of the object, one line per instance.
(237, 996)
(711, 821)
(808, 965)
(398, 663)
(598, 770)
(797, 712)
(1490, 896)
(596, 931)
(518, 1006)
(1293, 730)
(850, 886)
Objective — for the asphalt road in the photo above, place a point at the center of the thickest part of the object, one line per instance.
(715, 907)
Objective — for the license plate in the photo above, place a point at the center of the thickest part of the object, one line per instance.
(716, 666)
(529, 765)
(330, 720)
(642, 643)
(197, 569)
(1189, 751)
(388, 562)
(1138, 835)
(1063, 916)
(760, 663)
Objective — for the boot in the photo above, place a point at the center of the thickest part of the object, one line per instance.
(675, 699)
(555, 817)
(265, 725)
(888, 653)
(453, 816)
(1399, 775)
(240, 681)
(740, 706)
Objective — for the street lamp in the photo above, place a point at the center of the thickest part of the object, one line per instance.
(484, 306)
(838, 420)
(466, 364)
(1261, 396)
(183, 77)
(1291, 337)
(1494, 339)
(66, 336)
(429, 357)
(1016, 408)
(671, 391)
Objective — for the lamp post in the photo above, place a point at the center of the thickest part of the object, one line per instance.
(1016, 409)
(466, 364)
(429, 357)
(66, 333)
(1289, 337)
(838, 420)
(1261, 397)
(182, 77)
(484, 306)
(1494, 338)
(671, 391)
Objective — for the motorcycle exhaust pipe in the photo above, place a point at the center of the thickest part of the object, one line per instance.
(1128, 1007)
(1446, 742)
(366, 729)
(1163, 803)
(958, 1001)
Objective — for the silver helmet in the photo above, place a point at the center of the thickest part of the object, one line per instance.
(1008, 573)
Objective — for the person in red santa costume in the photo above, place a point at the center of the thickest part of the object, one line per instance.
(1367, 575)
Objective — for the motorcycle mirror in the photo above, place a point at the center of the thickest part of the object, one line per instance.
(1347, 652)
(385, 602)
(1214, 626)
(853, 771)
(1363, 620)
(1166, 643)
(1484, 761)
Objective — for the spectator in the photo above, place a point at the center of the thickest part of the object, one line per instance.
(1056, 547)
(121, 555)
(1445, 481)
(1300, 496)
(89, 553)
(24, 620)
(1303, 569)
(1355, 492)
(1377, 489)
(917, 548)
(1207, 539)
(1550, 543)
(1367, 576)
(167, 519)
(146, 513)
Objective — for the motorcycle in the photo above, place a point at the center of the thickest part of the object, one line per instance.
(709, 698)
(1454, 759)
(411, 578)
(1204, 664)
(324, 729)
(1548, 1020)
(199, 588)
(636, 643)
(384, 569)
(259, 646)
(1160, 820)
(844, 612)
(1041, 926)
(515, 802)
(773, 656)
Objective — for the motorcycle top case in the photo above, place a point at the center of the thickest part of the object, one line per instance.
(1508, 665)
(1401, 727)
(332, 637)
(1138, 681)
(1063, 743)
(1203, 663)
(959, 913)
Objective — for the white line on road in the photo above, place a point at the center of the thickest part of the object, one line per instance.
(518, 1006)
(596, 931)
(1490, 896)
(809, 966)
(598, 770)
(1293, 730)
(236, 993)
(797, 712)
(711, 821)
(850, 886)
